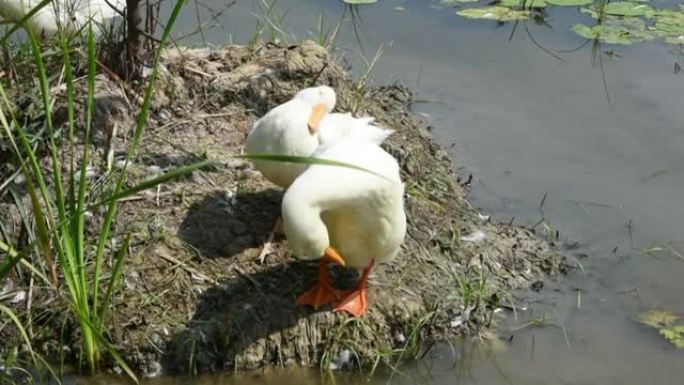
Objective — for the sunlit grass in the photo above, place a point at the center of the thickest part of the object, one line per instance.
(59, 203)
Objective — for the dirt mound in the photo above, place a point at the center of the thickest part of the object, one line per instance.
(195, 296)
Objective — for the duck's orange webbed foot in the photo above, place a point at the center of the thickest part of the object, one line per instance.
(356, 302)
(323, 292)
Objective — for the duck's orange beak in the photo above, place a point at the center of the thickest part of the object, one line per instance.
(331, 255)
(316, 116)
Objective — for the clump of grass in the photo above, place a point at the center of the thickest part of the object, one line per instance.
(59, 204)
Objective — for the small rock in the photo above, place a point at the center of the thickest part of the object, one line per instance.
(456, 322)
(154, 170)
(476, 236)
(154, 369)
(400, 338)
(237, 164)
(342, 360)
(19, 297)
(7, 287)
(537, 285)
(20, 179)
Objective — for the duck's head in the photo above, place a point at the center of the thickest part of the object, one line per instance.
(321, 99)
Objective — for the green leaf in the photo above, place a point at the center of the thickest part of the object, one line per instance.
(307, 160)
(626, 8)
(526, 4)
(494, 13)
(585, 31)
(163, 178)
(616, 31)
(569, 3)
(670, 25)
(20, 328)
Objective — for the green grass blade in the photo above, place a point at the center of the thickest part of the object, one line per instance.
(10, 262)
(70, 103)
(64, 245)
(114, 279)
(21, 329)
(44, 240)
(139, 128)
(110, 349)
(163, 178)
(309, 161)
(82, 184)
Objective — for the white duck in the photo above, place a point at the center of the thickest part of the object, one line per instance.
(347, 216)
(72, 15)
(299, 126)
(290, 129)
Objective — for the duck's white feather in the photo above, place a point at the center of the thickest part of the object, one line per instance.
(284, 131)
(336, 126)
(358, 213)
(72, 15)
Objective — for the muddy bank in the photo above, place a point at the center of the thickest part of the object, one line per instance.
(196, 298)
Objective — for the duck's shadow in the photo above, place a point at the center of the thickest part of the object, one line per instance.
(242, 320)
(222, 225)
(253, 320)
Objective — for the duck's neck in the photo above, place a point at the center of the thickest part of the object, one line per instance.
(306, 233)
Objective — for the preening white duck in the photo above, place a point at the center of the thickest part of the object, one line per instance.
(72, 15)
(290, 129)
(299, 126)
(346, 216)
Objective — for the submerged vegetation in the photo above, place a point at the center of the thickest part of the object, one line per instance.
(616, 22)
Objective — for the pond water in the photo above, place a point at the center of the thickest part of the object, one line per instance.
(602, 139)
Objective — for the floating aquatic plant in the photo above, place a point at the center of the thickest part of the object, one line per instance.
(615, 30)
(627, 8)
(524, 3)
(665, 322)
(543, 3)
(494, 13)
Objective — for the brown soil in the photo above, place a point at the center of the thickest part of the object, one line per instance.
(195, 296)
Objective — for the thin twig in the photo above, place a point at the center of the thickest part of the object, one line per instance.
(192, 271)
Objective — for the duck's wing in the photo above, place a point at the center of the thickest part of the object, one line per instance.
(336, 126)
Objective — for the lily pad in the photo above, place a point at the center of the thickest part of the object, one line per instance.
(627, 8)
(527, 4)
(665, 321)
(494, 13)
(458, 1)
(668, 22)
(615, 31)
(569, 3)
